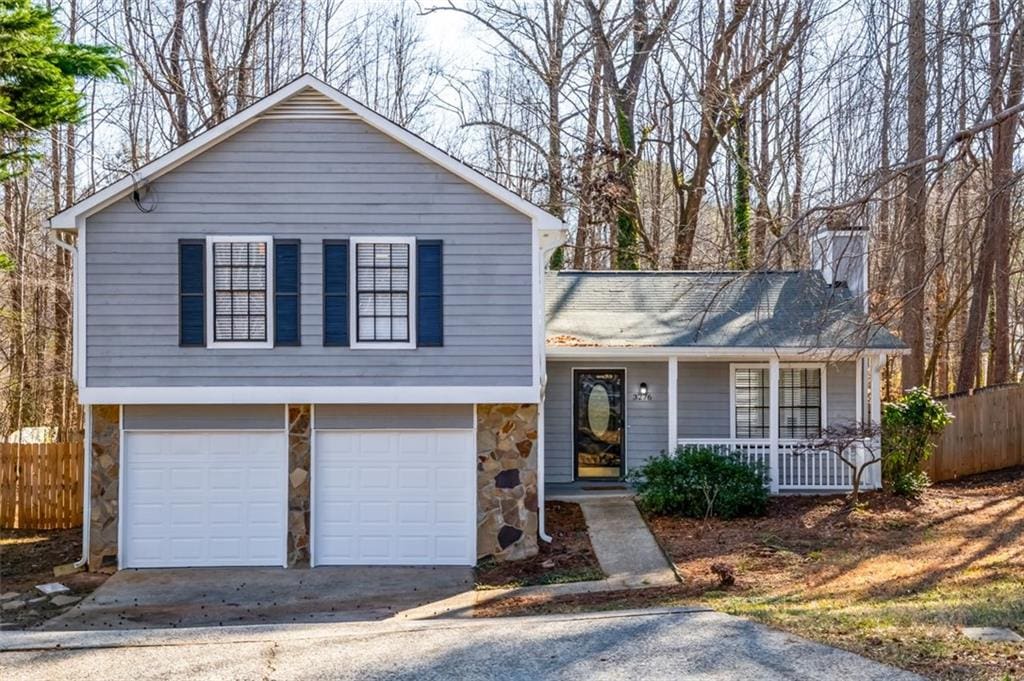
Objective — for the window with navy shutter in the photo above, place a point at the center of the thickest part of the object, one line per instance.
(286, 292)
(191, 293)
(429, 294)
(336, 293)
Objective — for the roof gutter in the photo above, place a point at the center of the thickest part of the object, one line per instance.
(708, 352)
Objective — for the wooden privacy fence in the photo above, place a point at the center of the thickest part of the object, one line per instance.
(986, 435)
(41, 485)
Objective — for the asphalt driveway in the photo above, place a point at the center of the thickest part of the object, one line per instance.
(652, 644)
(198, 597)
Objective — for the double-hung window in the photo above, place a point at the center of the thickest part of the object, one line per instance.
(384, 311)
(799, 405)
(751, 403)
(239, 276)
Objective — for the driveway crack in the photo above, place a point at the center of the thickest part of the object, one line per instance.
(270, 658)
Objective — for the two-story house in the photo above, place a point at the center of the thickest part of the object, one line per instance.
(309, 337)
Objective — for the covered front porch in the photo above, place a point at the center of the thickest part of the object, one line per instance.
(765, 406)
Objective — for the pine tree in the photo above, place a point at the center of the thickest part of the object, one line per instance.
(37, 79)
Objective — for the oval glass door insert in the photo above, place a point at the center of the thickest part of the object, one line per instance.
(598, 411)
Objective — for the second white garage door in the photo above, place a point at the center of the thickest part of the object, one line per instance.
(397, 497)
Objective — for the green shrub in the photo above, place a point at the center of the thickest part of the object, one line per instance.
(698, 482)
(909, 427)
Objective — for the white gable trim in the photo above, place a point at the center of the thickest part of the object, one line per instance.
(68, 218)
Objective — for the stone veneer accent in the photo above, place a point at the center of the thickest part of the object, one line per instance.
(106, 463)
(298, 484)
(506, 507)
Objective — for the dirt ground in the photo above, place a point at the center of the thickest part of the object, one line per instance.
(893, 580)
(27, 558)
(568, 558)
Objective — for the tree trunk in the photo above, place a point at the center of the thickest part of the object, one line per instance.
(915, 216)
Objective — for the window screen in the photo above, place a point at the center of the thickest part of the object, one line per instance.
(240, 290)
(382, 292)
(752, 403)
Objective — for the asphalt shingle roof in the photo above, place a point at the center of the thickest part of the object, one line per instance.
(707, 309)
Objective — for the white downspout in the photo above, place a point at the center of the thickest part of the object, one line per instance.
(86, 487)
(541, 532)
(87, 425)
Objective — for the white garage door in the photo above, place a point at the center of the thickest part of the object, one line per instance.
(204, 498)
(395, 498)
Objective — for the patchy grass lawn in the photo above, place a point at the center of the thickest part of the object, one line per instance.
(27, 558)
(894, 580)
(568, 558)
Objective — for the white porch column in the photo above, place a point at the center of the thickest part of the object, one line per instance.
(876, 413)
(876, 389)
(773, 422)
(673, 404)
(859, 392)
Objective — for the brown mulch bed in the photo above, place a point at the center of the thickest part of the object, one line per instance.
(568, 558)
(27, 558)
(893, 580)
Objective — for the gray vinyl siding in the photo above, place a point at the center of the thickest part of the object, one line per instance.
(646, 422)
(842, 393)
(383, 416)
(203, 417)
(309, 180)
(704, 400)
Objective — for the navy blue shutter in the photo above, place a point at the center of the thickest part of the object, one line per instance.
(429, 294)
(336, 293)
(191, 292)
(286, 292)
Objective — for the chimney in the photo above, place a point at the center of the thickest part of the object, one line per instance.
(840, 253)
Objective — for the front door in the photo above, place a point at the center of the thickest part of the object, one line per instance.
(599, 422)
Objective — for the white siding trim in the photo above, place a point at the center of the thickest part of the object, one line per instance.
(673, 405)
(121, 508)
(308, 395)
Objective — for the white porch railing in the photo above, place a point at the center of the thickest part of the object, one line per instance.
(799, 469)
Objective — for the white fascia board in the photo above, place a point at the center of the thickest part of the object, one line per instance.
(66, 219)
(655, 353)
(311, 395)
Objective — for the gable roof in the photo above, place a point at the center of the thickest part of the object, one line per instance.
(304, 97)
(745, 310)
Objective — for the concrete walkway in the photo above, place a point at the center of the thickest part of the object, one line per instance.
(625, 548)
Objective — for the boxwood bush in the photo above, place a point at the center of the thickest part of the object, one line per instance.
(698, 482)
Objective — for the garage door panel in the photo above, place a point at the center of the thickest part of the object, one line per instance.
(194, 499)
(414, 501)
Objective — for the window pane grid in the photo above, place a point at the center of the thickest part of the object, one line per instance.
(382, 292)
(752, 403)
(240, 291)
(799, 403)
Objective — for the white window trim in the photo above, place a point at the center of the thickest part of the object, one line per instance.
(821, 366)
(353, 316)
(211, 333)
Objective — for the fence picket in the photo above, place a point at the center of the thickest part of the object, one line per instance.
(41, 485)
(986, 434)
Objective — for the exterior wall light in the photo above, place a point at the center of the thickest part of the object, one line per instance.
(643, 394)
